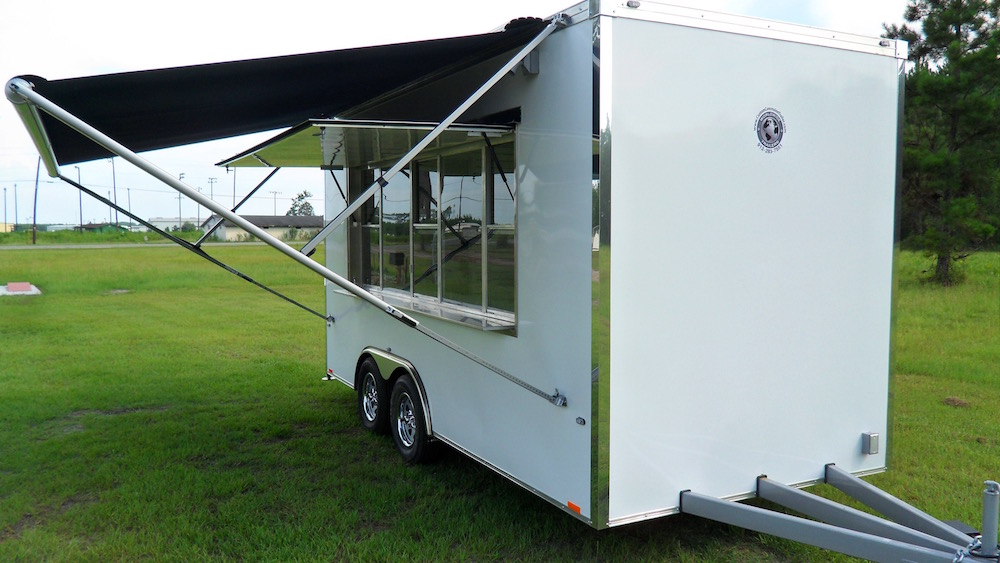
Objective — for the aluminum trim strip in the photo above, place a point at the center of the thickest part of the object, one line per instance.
(600, 395)
(649, 10)
(639, 517)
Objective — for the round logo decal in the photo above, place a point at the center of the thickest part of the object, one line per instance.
(770, 130)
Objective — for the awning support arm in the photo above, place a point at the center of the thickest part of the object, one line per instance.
(215, 227)
(24, 89)
(20, 91)
(193, 248)
(556, 23)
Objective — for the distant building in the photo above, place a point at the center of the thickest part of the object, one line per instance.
(59, 227)
(285, 227)
(102, 228)
(6, 227)
(171, 223)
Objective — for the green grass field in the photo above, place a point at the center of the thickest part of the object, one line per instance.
(153, 406)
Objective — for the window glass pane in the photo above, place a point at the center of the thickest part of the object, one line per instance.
(425, 228)
(364, 231)
(500, 267)
(372, 269)
(501, 271)
(503, 184)
(396, 233)
(461, 221)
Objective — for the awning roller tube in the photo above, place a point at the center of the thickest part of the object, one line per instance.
(36, 129)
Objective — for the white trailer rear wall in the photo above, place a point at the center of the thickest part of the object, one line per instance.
(750, 289)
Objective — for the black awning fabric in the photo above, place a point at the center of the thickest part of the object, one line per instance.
(156, 109)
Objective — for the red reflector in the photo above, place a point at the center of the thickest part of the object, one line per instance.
(330, 371)
(573, 506)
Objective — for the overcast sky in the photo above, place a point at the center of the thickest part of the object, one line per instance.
(65, 39)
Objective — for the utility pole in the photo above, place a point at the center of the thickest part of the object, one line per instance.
(275, 202)
(211, 189)
(114, 186)
(110, 216)
(5, 209)
(234, 188)
(179, 224)
(80, 193)
(198, 210)
(15, 207)
(129, 190)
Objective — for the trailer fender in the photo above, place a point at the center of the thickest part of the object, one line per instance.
(391, 367)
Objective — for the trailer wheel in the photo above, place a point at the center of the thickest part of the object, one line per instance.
(409, 430)
(373, 404)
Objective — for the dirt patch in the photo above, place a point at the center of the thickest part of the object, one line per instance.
(955, 402)
(117, 291)
(71, 424)
(115, 412)
(14, 532)
(44, 514)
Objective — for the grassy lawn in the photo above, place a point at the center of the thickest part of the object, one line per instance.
(153, 406)
(43, 238)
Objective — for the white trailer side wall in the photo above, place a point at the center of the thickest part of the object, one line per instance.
(750, 291)
(522, 435)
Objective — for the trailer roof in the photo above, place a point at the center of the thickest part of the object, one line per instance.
(162, 108)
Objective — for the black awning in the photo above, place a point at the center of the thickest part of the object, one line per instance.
(156, 109)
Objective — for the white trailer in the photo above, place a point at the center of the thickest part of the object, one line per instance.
(634, 257)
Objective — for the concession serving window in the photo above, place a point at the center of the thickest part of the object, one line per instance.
(440, 237)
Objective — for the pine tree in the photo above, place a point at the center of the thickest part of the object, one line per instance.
(951, 159)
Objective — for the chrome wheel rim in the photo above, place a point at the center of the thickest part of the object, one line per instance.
(369, 397)
(406, 423)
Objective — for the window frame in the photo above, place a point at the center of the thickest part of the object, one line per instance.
(481, 314)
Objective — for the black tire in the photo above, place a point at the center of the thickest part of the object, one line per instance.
(373, 399)
(407, 423)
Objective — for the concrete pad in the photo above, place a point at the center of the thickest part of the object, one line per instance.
(19, 288)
